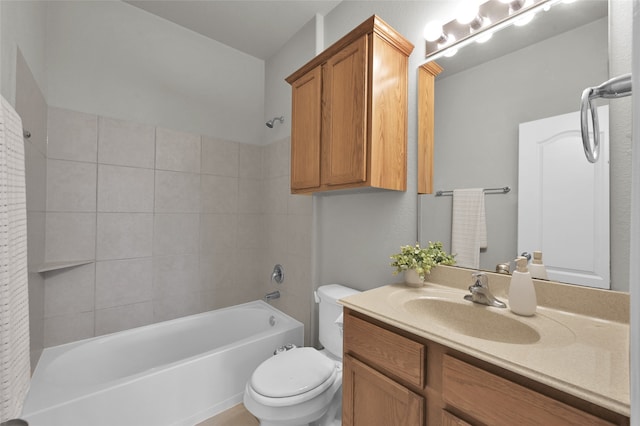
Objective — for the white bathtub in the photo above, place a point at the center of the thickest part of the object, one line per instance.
(177, 372)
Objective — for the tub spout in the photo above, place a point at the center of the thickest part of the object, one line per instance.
(272, 295)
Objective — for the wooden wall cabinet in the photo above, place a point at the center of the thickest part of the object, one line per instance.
(394, 378)
(349, 113)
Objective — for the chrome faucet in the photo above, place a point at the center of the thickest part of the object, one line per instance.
(480, 292)
(271, 296)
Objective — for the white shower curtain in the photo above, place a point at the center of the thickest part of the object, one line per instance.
(14, 303)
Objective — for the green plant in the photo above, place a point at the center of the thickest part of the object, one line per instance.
(421, 259)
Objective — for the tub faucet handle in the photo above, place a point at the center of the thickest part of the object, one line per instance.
(278, 274)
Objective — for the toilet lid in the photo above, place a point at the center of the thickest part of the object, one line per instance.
(292, 373)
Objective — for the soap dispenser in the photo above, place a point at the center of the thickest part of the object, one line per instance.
(537, 268)
(522, 294)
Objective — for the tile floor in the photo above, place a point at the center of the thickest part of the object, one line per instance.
(234, 416)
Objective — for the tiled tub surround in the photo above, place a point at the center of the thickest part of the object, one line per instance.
(177, 372)
(177, 223)
(590, 362)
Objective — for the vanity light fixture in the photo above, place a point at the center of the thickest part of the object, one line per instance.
(514, 5)
(477, 20)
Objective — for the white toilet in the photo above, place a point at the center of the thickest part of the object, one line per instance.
(303, 386)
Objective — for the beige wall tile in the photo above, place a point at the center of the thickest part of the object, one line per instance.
(35, 177)
(118, 318)
(70, 236)
(126, 143)
(276, 159)
(72, 135)
(123, 282)
(177, 192)
(71, 186)
(219, 157)
(125, 189)
(218, 232)
(36, 223)
(174, 275)
(219, 194)
(68, 328)
(124, 235)
(299, 234)
(276, 195)
(177, 306)
(177, 151)
(176, 234)
(251, 161)
(251, 231)
(217, 270)
(276, 233)
(250, 196)
(69, 291)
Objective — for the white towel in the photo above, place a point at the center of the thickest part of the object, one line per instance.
(468, 226)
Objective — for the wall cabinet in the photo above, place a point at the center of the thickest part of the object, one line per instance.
(392, 377)
(349, 113)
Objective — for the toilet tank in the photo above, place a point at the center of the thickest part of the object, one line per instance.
(329, 311)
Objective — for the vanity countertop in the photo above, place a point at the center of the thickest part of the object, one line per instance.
(583, 355)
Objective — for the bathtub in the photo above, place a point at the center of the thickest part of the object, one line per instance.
(176, 372)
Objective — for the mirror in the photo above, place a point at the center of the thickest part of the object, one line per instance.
(485, 91)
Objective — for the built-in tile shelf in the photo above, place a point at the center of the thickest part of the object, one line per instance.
(54, 266)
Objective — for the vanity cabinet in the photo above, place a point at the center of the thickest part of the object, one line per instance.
(349, 113)
(392, 377)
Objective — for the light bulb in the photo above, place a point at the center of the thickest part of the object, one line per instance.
(467, 11)
(432, 31)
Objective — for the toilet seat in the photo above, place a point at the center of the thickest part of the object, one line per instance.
(292, 377)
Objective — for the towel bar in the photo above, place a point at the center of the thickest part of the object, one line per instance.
(502, 190)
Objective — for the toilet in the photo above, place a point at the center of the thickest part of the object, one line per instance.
(303, 386)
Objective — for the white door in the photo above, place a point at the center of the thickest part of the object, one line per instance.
(563, 200)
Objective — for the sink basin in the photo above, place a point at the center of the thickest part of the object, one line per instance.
(472, 320)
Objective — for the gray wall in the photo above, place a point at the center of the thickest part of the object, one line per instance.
(476, 126)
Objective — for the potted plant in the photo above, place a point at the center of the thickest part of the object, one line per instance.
(416, 262)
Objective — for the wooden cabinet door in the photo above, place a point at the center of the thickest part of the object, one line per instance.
(344, 131)
(449, 419)
(306, 130)
(372, 399)
(494, 400)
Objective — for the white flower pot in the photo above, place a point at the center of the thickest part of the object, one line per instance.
(412, 279)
